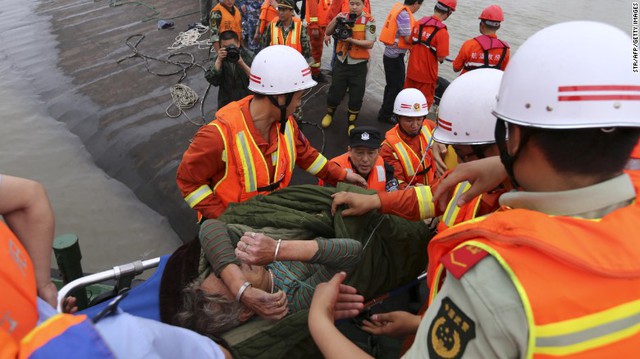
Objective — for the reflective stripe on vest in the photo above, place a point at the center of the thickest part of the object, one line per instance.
(425, 201)
(198, 195)
(65, 335)
(293, 37)
(451, 213)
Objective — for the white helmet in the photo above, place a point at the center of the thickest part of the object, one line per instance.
(572, 75)
(278, 70)
(411, 103)
(464, 117)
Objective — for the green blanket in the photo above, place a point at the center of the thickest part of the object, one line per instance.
(394, 253)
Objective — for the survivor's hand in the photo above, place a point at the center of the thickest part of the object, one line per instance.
(357, 203)
(49, 293)
(256, 248)
(333, 300)
(266, 305)
(439, 152)
(393, 324)
(484, 175)
(355, 179)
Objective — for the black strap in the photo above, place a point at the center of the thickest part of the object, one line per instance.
(486, 60)
(272, 187)
(427, 43)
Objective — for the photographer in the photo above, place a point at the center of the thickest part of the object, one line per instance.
(356, 34)
(230, 69)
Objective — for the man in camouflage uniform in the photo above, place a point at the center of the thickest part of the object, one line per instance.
(286, 22)
(250, 16)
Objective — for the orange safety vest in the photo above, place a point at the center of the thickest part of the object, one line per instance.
(267, 13)
(359, 33)
(294, 36)
(578, 279)
(409, 159)
(320, 17)
(377, 178)
(246, 173)
(18, 308)
(390, 28)
(228, 21)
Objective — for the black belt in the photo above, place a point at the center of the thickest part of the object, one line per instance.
(270, 188)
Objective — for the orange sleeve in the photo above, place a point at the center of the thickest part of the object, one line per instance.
(331, 173)
(334, 9)
(458, 63)
(442, 43)
(202, 164)
(312, 11)
(402, 203)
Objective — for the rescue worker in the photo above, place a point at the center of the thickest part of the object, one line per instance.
(268, 12)
(545, 260)
(224, 16)
(430, 46)
(485, 50)
(316, 17)
(288, 30)
(252, 145)
(364, 159)
(350, 69)
(396, 36)
(469, 129)
(31, 328)
(231, 74)
(407, 146)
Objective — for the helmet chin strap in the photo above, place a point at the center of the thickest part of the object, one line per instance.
(506, 159)
(283, 109)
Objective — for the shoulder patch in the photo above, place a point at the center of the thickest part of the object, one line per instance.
(372, 29)
(460, 260)
(450, 331)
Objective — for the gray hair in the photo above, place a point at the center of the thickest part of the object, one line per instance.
(205, 313)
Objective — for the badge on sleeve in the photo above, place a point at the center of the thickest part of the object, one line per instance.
(372, 29)
(450, 332)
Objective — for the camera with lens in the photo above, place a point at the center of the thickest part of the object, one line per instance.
(233, 54)
(344, 26)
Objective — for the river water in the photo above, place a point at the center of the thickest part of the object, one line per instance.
(113, 225)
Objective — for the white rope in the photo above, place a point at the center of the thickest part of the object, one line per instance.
(183, 98)
(191, 37)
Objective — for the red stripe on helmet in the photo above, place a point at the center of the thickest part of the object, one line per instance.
(599, 98)
(599, 88)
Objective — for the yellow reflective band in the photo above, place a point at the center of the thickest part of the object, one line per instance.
(588, 332)
(198, 195)
(425, 201)
(358, 27)
(404, 158)
(426, 133)
(247, 163)
(434, 291)
(294, 33)
(317, 165)
(315, 64)
(313, 19)
(291, 145)
(451, 213)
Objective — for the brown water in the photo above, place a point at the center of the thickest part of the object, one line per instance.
(113, 225)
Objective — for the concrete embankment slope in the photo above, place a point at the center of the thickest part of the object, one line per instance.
(118, 108)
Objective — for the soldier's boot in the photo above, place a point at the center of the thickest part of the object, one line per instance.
(328, 118)
(351, 120)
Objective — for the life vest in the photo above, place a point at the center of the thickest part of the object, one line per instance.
(578, 279)
(488, 43)
(293, 37)
(18, 307)
(409, 159)
(267, 13)
(390, 28)
(320, 17)
(228, 21)
(377, 178)
(426, 31)
(359, 33)
(246, 173)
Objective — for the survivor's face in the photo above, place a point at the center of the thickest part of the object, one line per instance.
(363, 159)
(356, 6)
(411, 125)
(284, 14)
